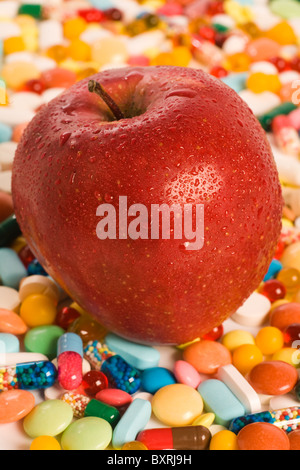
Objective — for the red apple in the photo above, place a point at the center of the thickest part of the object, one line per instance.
(185, 138)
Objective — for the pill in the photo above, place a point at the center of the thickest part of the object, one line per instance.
(285, 315)
(38, 284)
(90, 433)
(245, 357)
(69, 360)
(205, 419)
(273, 270)
(84, 406)
(235, 338)
(138, 355)
(262, 436)
(27, 376)
(15, 405)
(48, 418)
(5, 133)
(224, 440)
(38, 309)
(154, 378)
(132, 422)
(294, 438)
(273, 378)
(269, 340)
(10, 343)
(283, 401)
(179, 438)
(240, 387)
(287, 419)
(20, 357)
(45, 443)
(219, 399)
(207, 356)
(7, 153)
(43, 339)
(114, 397)
(236, 81)
(120, 374)
(177, 405)
(186, 374)
(93, 382)
(260, 103)
(12, 269)
(11, 323)
(13, 116)
(254, 311)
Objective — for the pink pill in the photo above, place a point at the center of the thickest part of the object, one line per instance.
(114, 397)
(186, 374)
(294, 118)
(69, 370)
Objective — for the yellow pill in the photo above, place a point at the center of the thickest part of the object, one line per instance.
(13, 44)
(109, 51)
(37, 310)
(134, 445)
(259, 82)
(291, 256)
(45, 443)
(289, 355)
(80, 50)
(277, 303)
(205, 420)
(57, 53)
(74, 27)
(236, 338)
(15, 74)
(224, 440)
(182, 56)
(283, 33)
(246, 357)
(239, 62)
(269, 340)
(177, 405)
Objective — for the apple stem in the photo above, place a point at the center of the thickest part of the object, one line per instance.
(96, 87)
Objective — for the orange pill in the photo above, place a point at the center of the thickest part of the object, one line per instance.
(207, 356)
(285, 315)
(294, 438)
(273, 378)
(262, 436)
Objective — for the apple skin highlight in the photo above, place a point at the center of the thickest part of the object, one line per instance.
(186, 138)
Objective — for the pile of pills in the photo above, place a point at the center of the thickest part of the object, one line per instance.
(72, 384)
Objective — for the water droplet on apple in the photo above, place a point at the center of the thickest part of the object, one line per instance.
(182, 93)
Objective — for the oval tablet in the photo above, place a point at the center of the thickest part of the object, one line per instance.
(15, 405)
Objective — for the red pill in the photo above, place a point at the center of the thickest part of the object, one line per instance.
(218, 71)
(273, 378)
(208, 33)
(285, 315)
(262, 436)
(114, 397)
(273, 290)
(92, 15)
(215, 334)
(93, 382)
(35, 86)
(66, 316)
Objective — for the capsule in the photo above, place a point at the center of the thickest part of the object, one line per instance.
(287, 419)
(69, 360)
(179, 438)
(84, 406)
(27, 376)
(119, 373)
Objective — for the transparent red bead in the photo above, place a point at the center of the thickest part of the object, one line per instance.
(26, 256)
(295, 64)
(281, 64)
(215, 334)
(273, 290)
(93, 382)
(66, 316)
(218, 71)
(35, 86)
(292, 334)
